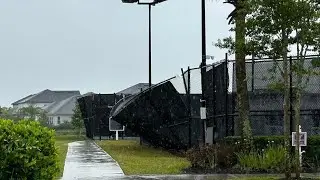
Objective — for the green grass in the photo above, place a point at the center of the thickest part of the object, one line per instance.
(256, 178)
(62, 145)
(135, 159)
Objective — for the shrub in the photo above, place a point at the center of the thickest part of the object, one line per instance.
(201, 157)
(226, 156)
(269, 160)
(311, 157)
(210, 156)
(27, 151)
(63, 126)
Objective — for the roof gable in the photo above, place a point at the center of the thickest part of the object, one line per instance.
(64, 107)
(47, 96)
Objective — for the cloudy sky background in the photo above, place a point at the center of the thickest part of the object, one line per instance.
(99, 45)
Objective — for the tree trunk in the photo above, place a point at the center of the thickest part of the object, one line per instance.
(242, 89)
(297, 107)
(286, 103)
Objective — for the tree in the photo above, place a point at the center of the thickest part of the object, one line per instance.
(238, 16)
(77, 121)
(7, 113)
(32, 112)
(273, 27)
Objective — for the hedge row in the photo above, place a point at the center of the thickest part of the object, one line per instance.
(27, 151)
(311, 156)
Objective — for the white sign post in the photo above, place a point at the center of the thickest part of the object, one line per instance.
(203, 113)
(302, 141)
(116, 130)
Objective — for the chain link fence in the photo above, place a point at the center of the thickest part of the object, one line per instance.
(95, 109)
(169, 114)
(265, 79)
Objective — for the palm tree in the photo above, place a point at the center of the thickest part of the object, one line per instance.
(238, 16)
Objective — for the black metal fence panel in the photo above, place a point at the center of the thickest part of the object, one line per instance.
(158, 114)
(264, 82)
(95, 110)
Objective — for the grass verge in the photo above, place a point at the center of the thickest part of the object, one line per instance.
(135, 159)
(256, 178)
(62, 145)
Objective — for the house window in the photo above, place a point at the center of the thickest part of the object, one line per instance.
(58, 119)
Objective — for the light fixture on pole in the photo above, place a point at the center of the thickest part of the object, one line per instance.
(149, 3)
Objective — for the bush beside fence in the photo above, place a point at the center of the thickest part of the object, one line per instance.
(264, 157)
(27, 151)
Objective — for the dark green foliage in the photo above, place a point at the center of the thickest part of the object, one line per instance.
(267, 155)
(210, 156)
(63, 126)
(77, 120)
(27, 151)
(201, 157)
(226, 157)
(268, 160)
(315, 62)
(311, 157)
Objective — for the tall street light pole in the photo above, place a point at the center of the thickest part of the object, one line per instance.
(203, 62)
(150, 48)
(150, 4)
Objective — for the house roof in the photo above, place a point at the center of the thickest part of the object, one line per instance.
(47, 96)
(64, 107)
(134, 89)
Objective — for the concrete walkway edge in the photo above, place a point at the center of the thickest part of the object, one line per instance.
(109, 155)
(87, 160)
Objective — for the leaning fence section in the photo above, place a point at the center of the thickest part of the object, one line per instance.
(95, 110)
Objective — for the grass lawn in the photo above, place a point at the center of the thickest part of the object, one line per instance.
(135, 159)
(256, 178)
(62, 145)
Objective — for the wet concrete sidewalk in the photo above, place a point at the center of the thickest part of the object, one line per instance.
(86, 160)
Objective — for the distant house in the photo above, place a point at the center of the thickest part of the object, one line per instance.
(59, 105)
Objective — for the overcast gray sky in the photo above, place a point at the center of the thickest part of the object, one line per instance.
(99, 45)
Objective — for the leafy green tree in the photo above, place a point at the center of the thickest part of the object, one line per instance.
(7, 113)
(77, 121)
(273, 28)
(32, 112)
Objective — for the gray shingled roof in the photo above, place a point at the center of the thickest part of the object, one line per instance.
(64, 107)
(47, 96)
(134, 89)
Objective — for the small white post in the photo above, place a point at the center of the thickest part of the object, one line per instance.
(300, 154)
(117, 136)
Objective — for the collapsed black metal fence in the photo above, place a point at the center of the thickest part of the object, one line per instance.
(264, 81)
(161, 115)
(95, 109)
